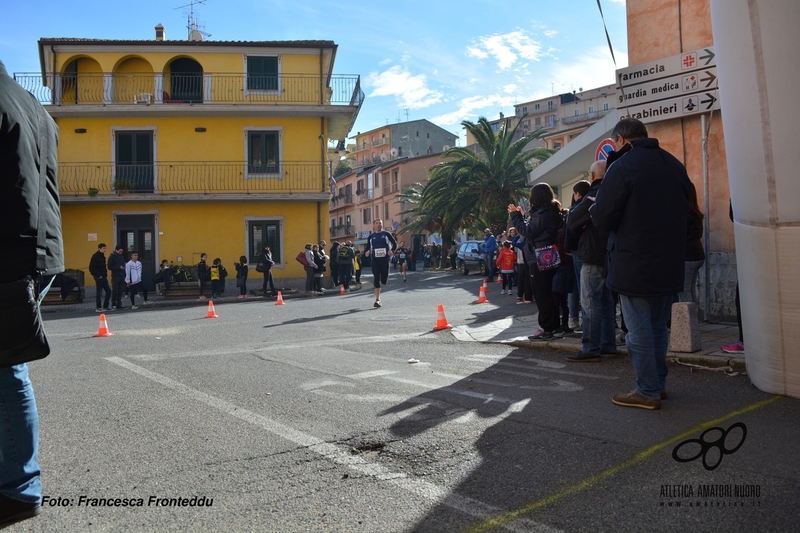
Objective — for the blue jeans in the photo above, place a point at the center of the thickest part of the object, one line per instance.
(487, 258)
(575, 296)
(19, 436)
(102, 285)
(647, 341)
(598, 312)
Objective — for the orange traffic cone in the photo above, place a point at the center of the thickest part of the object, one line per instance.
(485, 286)
(280, 299)
(499, 278)
(441, 321)
(342, 292)
(211, 312)
(102, 331)
(482, 299)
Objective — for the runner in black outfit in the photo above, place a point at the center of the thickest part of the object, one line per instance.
(403, 254)
(380, 245)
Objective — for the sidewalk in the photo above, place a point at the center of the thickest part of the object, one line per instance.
(515, 330)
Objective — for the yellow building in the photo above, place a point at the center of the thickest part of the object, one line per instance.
(177, 148)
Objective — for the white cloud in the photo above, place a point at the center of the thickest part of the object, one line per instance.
(593, 69)
(385, 62)
(467, 108)
(621, 2)
(506, 48)
(550, 33)
(511, 88)
(476, 52)
(409, 90)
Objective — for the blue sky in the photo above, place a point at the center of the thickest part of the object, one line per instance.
(444, 61)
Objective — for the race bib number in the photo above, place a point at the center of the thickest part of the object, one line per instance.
(380, 252)
(402, 256)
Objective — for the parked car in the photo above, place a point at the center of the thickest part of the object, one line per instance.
(470, 255)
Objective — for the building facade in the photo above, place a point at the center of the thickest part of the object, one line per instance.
(364, 194)
(178, 148)
(404, 139)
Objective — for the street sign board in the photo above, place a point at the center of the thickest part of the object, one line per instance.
(605, 147)
(670, 87)
(667, 67)
(680, 84)
(677, 107)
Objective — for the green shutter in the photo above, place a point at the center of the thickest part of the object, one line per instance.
(262, 73)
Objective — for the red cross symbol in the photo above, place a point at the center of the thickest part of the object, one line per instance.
(688, 61)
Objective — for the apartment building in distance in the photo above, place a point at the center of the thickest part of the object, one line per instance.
(175, 148)
(562, 117)
(366, 193)
(404, 139)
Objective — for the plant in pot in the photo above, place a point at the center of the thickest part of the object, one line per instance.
(93, 192)
(123, 185)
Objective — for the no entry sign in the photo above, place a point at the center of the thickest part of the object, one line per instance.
(605, 147)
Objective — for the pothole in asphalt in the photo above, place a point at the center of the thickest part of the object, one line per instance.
(389, 318)
(368, 451)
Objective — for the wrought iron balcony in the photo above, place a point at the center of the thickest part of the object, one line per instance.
(99, 179)
(343, 231)
(343, 201)
(594, 115)
(158, 89)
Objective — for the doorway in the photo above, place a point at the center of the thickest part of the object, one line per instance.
(137, 233)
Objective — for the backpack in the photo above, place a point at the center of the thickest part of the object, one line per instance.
(344, 252)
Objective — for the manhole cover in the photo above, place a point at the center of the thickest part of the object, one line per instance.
(389, 318)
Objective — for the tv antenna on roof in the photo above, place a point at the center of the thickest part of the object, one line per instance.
(195, 33)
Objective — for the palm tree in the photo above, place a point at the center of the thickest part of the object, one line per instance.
(472, 187)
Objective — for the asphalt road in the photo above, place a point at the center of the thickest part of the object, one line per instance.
(310, 417)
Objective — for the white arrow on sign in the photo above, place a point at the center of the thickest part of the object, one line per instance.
(677, 107)
(657, 90)
(666, 67)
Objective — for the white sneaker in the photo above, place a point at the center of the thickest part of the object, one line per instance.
(148, 302)
(573, 323)
(620, 338)
(377, 303)
(503, 291)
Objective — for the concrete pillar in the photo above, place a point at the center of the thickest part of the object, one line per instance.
(756, 43)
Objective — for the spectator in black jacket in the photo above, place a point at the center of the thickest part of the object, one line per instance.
(98, 270)
(32, 246)
(644, 205)
(596, 298)
(541, 230)
(116, 264)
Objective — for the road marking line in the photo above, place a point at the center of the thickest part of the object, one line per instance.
(504, 519)
(435, 493)
(372, 374)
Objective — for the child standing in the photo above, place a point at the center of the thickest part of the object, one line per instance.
(133, 279)
(357, 263)
(202, 275)
(241, 276)
(506, 261)
(217, 274)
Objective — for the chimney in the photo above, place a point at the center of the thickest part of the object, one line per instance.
(502, 116)
(160, 33)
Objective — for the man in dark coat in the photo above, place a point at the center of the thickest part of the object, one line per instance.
(644, 204)
(116, 264)
(596, 299)
(30, 237)
(98, 270)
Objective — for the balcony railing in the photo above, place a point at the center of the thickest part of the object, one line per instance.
(343, 231)
(594, 115)
(189, 178)
(345, 200)
(380, 142)
(159, 89)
